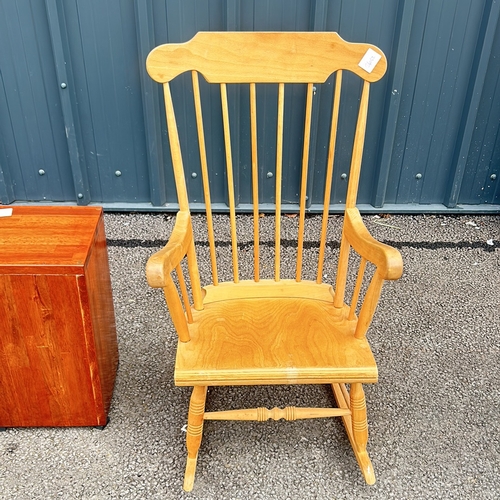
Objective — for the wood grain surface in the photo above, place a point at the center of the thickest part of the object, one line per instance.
(56, 239)
(244, 57)
(272, 341)
(58, 348)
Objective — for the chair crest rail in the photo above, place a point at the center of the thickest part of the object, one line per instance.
(263, 57)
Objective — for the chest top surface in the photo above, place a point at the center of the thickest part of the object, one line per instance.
(47, 239)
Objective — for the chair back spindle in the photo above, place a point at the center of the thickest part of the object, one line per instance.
(357, 150)
(175, 150)
(255, 180)
(303, 182)
(279, 168)
(204, 174)
(329, 173)
(230, 180)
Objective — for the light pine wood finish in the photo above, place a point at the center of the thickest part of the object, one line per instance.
(273, 341)
(284, 330)
(194, 433)
(286, 57)
(289, 413)
(58, 347)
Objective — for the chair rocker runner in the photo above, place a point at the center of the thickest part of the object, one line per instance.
(272, 331)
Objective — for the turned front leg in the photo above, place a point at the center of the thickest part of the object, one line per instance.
(359, 422)
(359, 427)
(194, 433)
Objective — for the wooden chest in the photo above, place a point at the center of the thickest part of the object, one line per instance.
(58, 347)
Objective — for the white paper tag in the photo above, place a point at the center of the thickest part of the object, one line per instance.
(370, 60)
(5, 212)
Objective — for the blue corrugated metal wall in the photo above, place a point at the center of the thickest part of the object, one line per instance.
(80, 120)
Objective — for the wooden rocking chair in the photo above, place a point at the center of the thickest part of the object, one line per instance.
(272, 331)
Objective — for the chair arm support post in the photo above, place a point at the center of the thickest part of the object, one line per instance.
(345, 247)
(369, 305)
(387, 259)
(176, 310)
(162, 263)
(194, 276)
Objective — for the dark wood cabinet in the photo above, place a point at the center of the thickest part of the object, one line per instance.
(58, 346)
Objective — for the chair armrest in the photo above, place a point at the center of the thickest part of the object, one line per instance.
(387, 259)
(162, 263)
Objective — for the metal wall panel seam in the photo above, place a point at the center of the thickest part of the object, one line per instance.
(7, 194)
(390, 120)
(69, 109)
(426, 98)
(6, 187)
(319, 10)
(477, 82)
(232, 15)
(460, 42)
(232, 22)
(6, 190)
(151, 106)
(94, 79)
(21, 111)
(73, 30)
(397, 179)
(487, 167)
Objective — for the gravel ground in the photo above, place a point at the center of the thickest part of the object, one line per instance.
(433, 416)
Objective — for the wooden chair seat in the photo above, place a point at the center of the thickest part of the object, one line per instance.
(277, 340)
